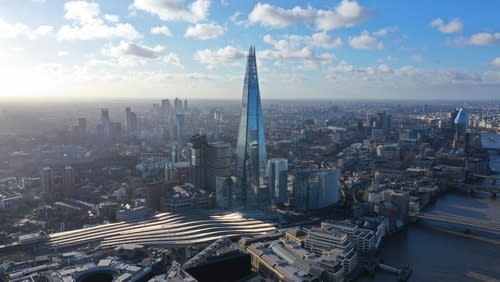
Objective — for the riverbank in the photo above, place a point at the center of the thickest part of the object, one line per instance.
(435, 255)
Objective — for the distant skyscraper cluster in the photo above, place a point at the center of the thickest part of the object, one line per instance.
(108, 130)
(174, 117)
(243, 177)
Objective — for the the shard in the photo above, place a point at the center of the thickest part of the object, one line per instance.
(251, 147)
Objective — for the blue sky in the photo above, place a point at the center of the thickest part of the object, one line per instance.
(318, 49)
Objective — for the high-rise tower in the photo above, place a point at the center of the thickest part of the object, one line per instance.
(68, 181)
(277, 177)
(47, 182)
(251, 146)
(460, 125)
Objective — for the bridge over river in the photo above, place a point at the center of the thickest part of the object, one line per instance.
(490, 184)
(486, 228)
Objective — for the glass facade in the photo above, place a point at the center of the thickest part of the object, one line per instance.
(315, 188)
(461, 121)
(277, 178)
(251, 146)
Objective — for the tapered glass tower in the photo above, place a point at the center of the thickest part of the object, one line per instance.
(251, 146)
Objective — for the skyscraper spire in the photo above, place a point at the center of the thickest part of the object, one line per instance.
(251, 146)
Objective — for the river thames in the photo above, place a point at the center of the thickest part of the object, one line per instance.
(434, 255)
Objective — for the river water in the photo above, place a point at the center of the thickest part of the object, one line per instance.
(434, 255)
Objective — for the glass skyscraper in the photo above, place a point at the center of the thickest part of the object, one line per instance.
(277, 178)
(251, 147)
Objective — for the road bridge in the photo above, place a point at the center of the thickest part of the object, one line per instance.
(490, 229)
(471, 188)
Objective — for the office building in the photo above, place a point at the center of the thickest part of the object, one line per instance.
(283, 260)
(224, 191)
(178, 105)
(68, 181)
(218, 163)
(209, 160)
(165, 106)
(104, 116)
(82, 127)
(127, 213)
(383, 121)
(103, 128)
(179, 126)
(131, 120)
(251, 146)
(316, 188)
(47, 181)
(277, 179)
(363, 240)
(460, 125)
(332, 243)
(115, 130)
(198, 148)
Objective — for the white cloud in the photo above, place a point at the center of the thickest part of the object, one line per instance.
(323, 40)
(164, 30)
(417, 58)
(130, 54)
(496, 62)
(365, 41)
(8, 30)
(384, 31)
(174, 10)
(38, 1)
(292, 50)
(277, 17)
(62, 53)
(236, 21)
(342, 67)
(477, 39)
(87, 24)
(409, 76)
(453, 26)
(346, 14)
(204, 31)
(213, 58)
(130, 49)
(173, 59)
(319, 39)
(111, 18)
(484, 38)
(383, 68)
(40, 31)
